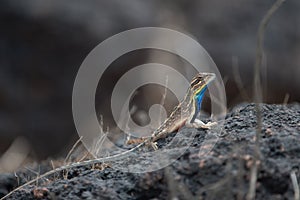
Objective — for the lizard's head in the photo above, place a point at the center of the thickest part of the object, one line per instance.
(199, 85)
(200, 81)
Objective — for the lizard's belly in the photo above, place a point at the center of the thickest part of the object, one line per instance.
(177, 126)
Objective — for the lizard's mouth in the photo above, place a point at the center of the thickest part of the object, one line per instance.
(209, 77)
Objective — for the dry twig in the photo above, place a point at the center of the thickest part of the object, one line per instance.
(258, 93)
(295, 185)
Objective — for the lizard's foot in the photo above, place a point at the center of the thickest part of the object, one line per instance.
(135, 141)
(199, 124)
(154, 145)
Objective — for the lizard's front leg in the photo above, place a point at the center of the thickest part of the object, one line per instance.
(200, 124)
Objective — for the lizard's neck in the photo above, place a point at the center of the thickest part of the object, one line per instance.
(197, 100)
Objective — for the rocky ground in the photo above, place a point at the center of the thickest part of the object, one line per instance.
(223, 173)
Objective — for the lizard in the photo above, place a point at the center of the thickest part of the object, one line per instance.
(184, 113)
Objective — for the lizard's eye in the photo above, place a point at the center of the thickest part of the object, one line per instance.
(195, 82)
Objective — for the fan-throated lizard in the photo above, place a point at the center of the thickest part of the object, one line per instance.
(184, 113)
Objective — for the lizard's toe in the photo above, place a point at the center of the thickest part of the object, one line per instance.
(154, 145)
(208, 125)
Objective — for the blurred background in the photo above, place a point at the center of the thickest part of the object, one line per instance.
(43, 43)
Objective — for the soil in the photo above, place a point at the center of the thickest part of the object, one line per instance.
(222, 173)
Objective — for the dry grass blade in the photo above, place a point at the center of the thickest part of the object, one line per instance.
(286, 99)
(258, 92)
(162, 102)
(72, 149)
(17, 177)
(65, 175)
(175, 187)
(238, 79)
(295, 185)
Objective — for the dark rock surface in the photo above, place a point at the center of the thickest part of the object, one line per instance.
(223, 173)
